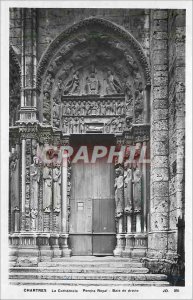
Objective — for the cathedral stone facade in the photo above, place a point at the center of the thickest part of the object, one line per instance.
(110, 77)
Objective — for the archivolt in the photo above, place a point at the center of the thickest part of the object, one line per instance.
(109, 28)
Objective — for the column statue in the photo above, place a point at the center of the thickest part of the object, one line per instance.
(137, 190)
(35, 179)
(128, 189)
(47, 196)
(119, 190)
(57, 188)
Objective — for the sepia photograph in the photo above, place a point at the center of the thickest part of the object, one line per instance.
(96, 197)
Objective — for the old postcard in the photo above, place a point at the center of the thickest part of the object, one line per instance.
(96, 150)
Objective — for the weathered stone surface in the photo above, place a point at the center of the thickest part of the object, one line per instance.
(160, 189)
(160, 81)
(160, 14)
(160, 92)
(159, 161)
(160, 174)
(160, 148)
(159, 221)
(160, 35)
(160, 57)
(161, 241)
(160, 204)
(174, 214)
(160, 114)
(160, 135)
(172, 241)
(160, 125)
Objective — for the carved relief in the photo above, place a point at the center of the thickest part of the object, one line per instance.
(57, 189)
(128, 186)
(92, 86)
(47, 189)
(119, 191)
(73, 85)
(137, 190)
(56, 112)
(113, 86)
(35, 177)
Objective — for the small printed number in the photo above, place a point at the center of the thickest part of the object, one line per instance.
(176, 290)
(165, 291)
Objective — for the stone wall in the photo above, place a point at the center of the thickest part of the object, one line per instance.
(159, 201)
(52, 22)
(176, 108)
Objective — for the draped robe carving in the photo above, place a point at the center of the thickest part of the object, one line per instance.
(137, 190)
(119, 192)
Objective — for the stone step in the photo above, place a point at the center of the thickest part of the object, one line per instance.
(84, 276)
(75, 269)
(98, 283)
(91, 264)
(94, 259)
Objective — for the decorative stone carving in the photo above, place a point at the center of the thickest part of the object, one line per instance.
(35, 178)
(108, 29)
(113, 86)
(34, 213)
(73, 86)
(46, 108)
(47, 191)
(56, 112)
(57, 189)
(48, 83)
(128, 186)
(137, 190)
(119, 191)
(92, 86)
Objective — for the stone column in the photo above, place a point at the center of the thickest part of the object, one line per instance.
(158, 231)
(23, 191)
(28, 65)
(119, 202)
(176, 45)
(65, 185)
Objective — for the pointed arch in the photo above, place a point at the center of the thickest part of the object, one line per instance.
(100, 25)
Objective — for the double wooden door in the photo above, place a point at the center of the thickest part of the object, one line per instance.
(92, 217)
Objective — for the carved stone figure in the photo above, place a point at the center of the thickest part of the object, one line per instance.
(33, 214)
(14, 180)
(35, 179)
(57, 188)
(92, 86)
(138, 105)
(128, 92)
(103, 108)
(137, 189)
(113, 86)
(70, 124)
(56, 113)
(47, 189)
(114, 123)
(65, 125)
(128, 185)
(48, 83)
(73, 86)
(81, 125)
(46, 108)
(108, 126)
(119, 124)
(119, 191)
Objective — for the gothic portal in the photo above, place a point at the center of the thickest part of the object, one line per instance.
(92, 85)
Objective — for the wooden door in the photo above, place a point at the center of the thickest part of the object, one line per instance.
(92, 217)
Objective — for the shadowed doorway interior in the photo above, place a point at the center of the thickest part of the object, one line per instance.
(92, 205)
